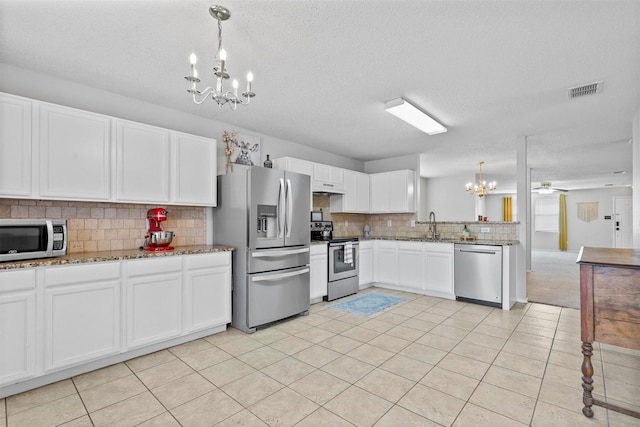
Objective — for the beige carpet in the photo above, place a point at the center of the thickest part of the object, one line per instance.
(554, 279)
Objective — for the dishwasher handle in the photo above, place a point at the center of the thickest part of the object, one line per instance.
(478, 251)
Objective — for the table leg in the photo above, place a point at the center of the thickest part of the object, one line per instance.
(587, 380)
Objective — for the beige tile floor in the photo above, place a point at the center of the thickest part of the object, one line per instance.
(424, 362)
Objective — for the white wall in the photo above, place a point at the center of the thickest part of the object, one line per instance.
(47, 88)
(597, 233)
(636, 180)
(494, 206)
(447, 198)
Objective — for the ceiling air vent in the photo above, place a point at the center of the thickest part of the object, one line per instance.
(588, 89)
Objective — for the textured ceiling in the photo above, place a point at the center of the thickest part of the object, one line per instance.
(491, 71)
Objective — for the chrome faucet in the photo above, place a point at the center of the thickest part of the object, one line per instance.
(432, 225)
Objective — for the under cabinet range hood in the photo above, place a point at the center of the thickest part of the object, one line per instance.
(327, 192)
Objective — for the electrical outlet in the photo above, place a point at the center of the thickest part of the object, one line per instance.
(389, 223)
(485, 229)
(346, 223)
(413, 222)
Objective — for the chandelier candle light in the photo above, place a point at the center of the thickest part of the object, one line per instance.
(218, 93)
(480, 189)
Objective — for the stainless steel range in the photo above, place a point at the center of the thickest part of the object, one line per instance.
(343, 260)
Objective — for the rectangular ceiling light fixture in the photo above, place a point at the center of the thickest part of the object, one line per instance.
(414, 116)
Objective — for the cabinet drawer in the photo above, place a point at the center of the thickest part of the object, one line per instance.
(66, 275)
(446, 248)
(17, 280)
(154, 266)
(207, 260)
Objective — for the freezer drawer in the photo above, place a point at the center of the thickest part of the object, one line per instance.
(276, 295)
(262, 260)
(478, 274)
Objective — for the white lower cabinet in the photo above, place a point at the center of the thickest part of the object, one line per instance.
(154, 300)
(17, 326)
(439, 269)
(411, 265)
(59, 321)
(365, 275)
(319, 271)
(207, 291)
(421, 267)
(81, 313)
(386, 262)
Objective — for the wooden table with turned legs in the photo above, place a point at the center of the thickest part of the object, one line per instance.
(609, 310)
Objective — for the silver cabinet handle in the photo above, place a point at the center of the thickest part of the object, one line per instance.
(289, 203)
(279, 276)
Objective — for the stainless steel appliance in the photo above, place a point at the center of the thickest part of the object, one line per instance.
(343, 260)
(344, 267)
(321, 230)
(22, 239)
(263, 213)
(478, 274)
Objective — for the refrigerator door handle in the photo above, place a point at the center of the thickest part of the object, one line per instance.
(280, 208)
(271, 277)
(289, 204)
(271, 254)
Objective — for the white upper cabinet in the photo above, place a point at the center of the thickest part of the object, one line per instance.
(294, 165)
(327, 178)
(15, 146)
(49, 151)
(393, 192)
(194, 170)
(142, 158)
(356, 197)
(74, 154)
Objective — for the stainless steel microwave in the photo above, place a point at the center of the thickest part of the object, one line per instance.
(22, 239)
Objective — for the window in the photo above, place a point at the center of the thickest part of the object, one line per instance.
(546, 215)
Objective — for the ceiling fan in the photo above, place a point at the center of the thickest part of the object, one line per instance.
(547, 188)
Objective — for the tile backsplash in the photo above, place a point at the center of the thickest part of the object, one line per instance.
(96, 226)
(399, 225)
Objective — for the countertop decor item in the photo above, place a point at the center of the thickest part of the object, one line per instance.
(218, 94)
(367, 304)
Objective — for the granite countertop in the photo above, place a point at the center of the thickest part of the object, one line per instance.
(447, 240)
(111, 256)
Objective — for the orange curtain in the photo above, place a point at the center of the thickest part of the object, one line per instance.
(506, 209)
(562, 226)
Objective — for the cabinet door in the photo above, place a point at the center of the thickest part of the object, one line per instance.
(363, 196)
(207, 291)
(365, 255)
(142, 154)
(411, 265)
(318, 264)
(439, 277)
(154, 300)
(82, 314)
(327, 178)
(379, 193)
(17, 325)
(194, 170)
(386, 262)
(74, 154)
(401, 191)
(351, 192)
(15, 146)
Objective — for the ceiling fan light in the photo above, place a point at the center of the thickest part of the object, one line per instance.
(414, 116)
(547, 190)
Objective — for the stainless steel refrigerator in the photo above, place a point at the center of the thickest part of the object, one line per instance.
(264, 214)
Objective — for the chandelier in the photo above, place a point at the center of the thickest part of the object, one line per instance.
(218, 93)
(481, 188)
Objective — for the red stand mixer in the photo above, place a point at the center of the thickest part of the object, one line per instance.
(156, 238)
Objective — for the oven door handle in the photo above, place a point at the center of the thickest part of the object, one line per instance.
(333, 245)
(272, 254)
(271, 277)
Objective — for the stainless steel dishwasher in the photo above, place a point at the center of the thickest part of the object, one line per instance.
(478, 274)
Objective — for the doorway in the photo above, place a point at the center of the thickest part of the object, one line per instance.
(622, 215)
